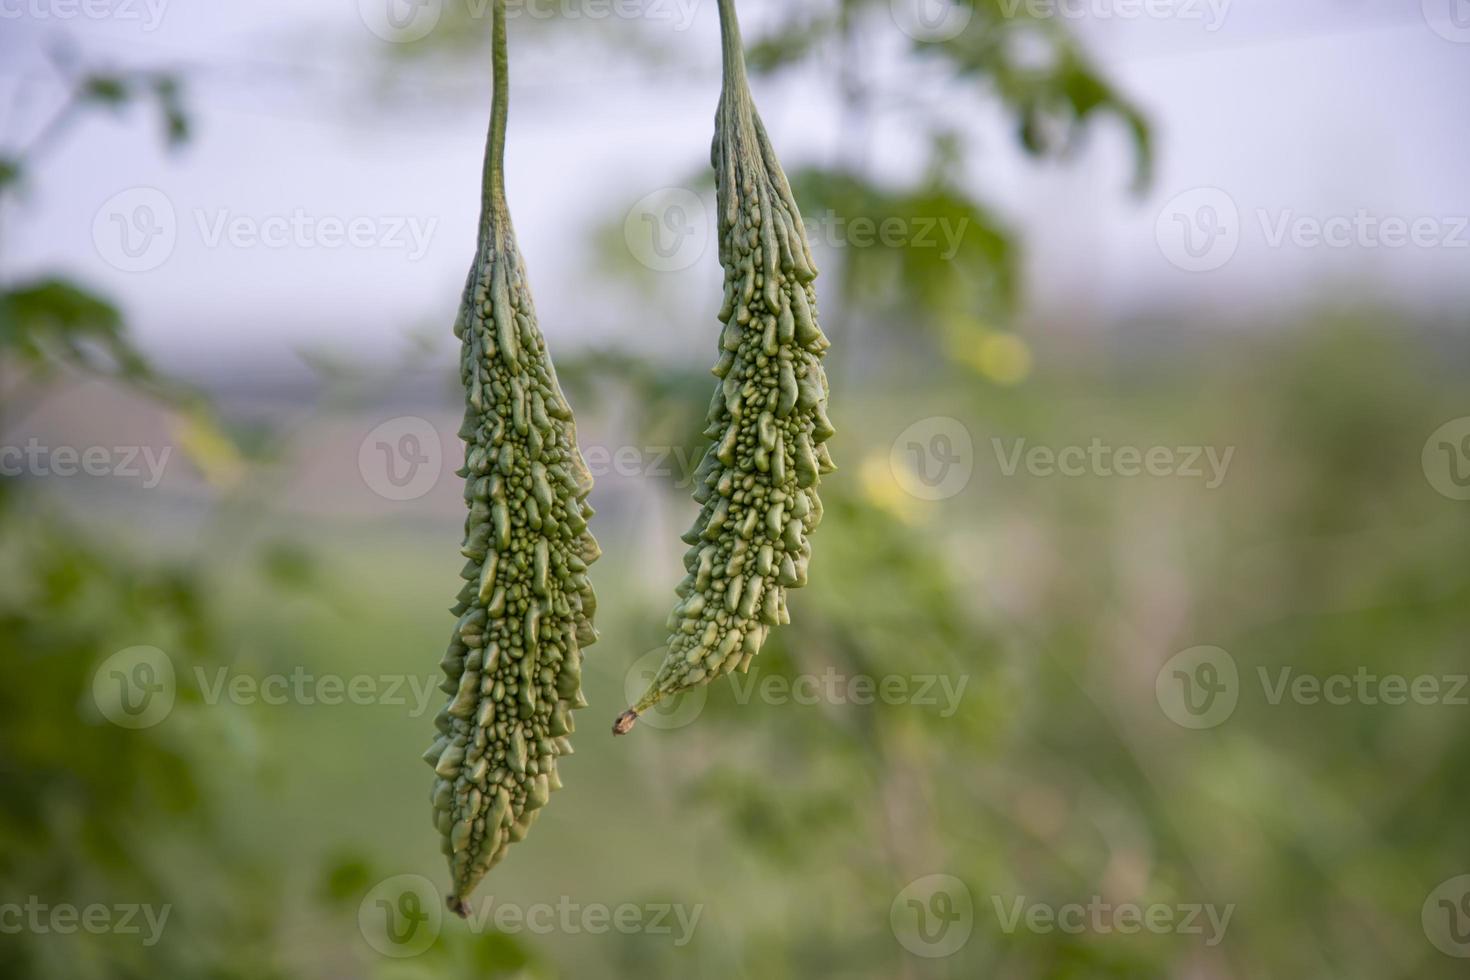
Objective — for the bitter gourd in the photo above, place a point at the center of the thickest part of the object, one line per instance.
(514, 666)
(768, 417)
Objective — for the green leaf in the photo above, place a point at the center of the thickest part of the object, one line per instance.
(54, 320)
(108, 90)
(10, 172)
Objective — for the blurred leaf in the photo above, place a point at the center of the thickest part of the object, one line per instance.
(792, 41)
(1054, 93)
(346, 878)
(53, 320)
(289, 566)
(111, 91)
(948, 255)
(169, 92)
(498, 955)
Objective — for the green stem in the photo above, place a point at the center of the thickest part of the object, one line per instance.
(492, 201)
(730, 46)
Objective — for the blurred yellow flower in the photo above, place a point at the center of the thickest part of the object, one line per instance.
(883, 490)
(995, 355)
(209, 449)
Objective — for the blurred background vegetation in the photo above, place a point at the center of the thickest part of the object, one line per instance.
(794, 828)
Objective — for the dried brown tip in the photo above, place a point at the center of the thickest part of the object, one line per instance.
(625, 722)
(457, 906)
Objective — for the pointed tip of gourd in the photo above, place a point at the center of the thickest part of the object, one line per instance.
(457, 906)
(625, 722)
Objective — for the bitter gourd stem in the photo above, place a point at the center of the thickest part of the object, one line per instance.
(730, 46)
(493, 208)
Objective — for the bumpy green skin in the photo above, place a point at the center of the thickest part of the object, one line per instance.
(513, 671)
(768, 418)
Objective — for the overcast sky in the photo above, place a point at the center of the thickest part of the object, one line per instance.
(1305, 149)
